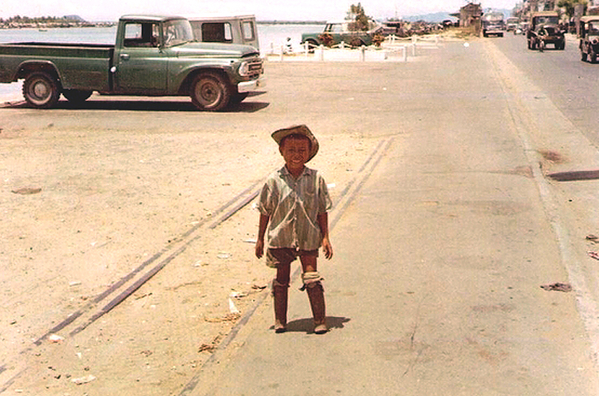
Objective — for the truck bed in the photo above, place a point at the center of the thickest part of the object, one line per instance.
(82, 66)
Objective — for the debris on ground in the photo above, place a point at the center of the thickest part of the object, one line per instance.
(592, 238)
(563, 287)
(212, 346)
(232, 308)
(55, 338)
(237, 295)
(27, 190)
(259, 287)
(231, 317)
(594, 255)
(83, 380)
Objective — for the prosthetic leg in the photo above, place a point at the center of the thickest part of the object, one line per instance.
(280, 293)
(315, 291)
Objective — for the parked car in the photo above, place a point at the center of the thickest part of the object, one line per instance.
(589, 38)
(336, 32)
(152, 56)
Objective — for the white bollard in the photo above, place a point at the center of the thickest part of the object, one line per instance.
(342, 45)
(281, 54)
(404, 53)
(362, 53)
(306, 48)
(321, 53)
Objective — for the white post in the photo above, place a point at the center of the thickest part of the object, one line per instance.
(436, 40)
(404, 53)
(362, 53)
(306, 48)
(321, 53)
(281, 54)
(342, 45)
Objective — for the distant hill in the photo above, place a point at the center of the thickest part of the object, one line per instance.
(435, 17)
(74, 18)
(441, 16)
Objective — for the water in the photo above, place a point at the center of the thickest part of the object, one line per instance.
(271, 36)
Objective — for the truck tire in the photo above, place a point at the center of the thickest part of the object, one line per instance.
(312, 45)
(76, 96)
(210, 91)
(41, 90)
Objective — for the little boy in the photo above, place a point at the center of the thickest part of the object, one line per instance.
(293, 205)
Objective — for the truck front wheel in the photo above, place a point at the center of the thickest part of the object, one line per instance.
(41, 90)
(210, 91)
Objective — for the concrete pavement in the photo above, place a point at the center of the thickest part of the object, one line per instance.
(435, 284)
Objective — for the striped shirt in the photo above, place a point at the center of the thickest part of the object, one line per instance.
(293, 206)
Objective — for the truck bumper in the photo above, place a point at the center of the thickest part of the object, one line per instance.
(249, 86)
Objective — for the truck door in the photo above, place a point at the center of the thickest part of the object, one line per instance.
(141, 65)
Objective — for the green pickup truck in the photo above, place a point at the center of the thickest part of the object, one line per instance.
(152, 56)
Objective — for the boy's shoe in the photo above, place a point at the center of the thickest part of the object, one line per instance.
(321, 328)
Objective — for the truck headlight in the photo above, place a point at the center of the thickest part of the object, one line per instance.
(244, 69)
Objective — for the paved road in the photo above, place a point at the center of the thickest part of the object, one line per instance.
(571, 84)
(435, 287)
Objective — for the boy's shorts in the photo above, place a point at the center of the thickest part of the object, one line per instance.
(274, 257)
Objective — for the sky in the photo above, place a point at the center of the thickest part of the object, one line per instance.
(310, 10)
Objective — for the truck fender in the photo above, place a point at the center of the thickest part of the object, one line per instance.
(185, 86)
(32, 66)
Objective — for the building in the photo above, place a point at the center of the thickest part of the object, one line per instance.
(469, 15)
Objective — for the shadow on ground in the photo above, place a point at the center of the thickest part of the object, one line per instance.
(307, 325)
(101, 102)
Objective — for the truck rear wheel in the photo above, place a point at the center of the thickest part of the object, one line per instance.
(41, 90)
(210, 91)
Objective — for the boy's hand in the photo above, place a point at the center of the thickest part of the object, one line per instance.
(259, 248)
(327, 248)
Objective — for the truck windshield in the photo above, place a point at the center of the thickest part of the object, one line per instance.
(548, 20)
(177, 32)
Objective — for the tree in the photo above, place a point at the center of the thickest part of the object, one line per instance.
(358, 17)
(569, 6)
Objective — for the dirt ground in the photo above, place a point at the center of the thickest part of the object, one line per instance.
(90, 195)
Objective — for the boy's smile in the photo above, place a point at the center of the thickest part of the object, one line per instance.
(295, 152)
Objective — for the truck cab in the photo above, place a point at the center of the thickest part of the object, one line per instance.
(589, 38)
(493, 24)
(544, 29)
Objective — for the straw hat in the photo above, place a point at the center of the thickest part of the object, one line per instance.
(280, 134)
